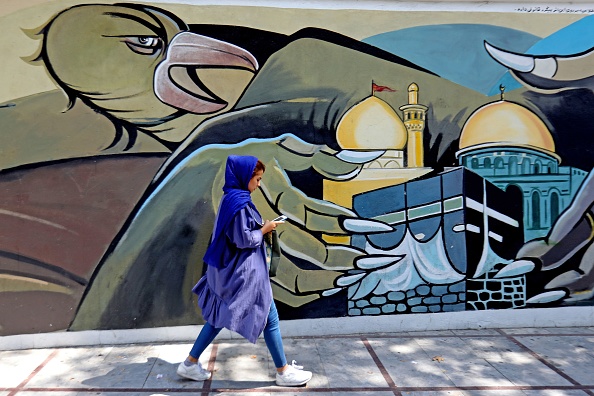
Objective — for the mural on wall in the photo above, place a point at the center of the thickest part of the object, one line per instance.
(414, 180)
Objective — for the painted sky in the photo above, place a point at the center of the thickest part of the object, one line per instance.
(456, 51)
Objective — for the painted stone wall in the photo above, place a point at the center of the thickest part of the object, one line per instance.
(427, 161)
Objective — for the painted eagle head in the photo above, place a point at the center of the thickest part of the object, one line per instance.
(135, 63)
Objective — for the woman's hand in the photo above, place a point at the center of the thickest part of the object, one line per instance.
(269, 226)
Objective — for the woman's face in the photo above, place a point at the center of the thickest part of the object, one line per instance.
(255, 181)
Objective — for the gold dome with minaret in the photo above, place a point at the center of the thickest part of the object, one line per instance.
(370, 125)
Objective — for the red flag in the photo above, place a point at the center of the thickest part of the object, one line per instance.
(380, 88)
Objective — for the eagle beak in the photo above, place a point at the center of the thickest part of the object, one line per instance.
(176, 81)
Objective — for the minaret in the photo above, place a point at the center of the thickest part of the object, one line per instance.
(414, 120)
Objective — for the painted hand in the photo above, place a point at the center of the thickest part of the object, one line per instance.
(156, 259)
(563, 262)
(306, 216)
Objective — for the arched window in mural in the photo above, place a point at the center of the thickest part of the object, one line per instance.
(535, 210)
(498, 165)
(487, 163)
(474, 163)
(554, 206)
(513, 166)
(551, 167)
(526, 166)
(537, 168)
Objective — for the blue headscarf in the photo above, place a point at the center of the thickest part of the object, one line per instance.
(238, 173)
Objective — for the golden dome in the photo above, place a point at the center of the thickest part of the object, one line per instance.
(506, 123)
(371, 124)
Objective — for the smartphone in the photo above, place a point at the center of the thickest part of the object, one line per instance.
(280, 218)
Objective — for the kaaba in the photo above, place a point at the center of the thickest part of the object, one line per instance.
(472, 226)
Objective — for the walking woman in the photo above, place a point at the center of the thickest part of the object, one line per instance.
(235, 292)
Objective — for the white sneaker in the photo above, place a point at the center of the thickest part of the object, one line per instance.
(194, 372)
(293, 375)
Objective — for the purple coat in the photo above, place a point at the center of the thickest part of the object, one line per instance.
(238, 296)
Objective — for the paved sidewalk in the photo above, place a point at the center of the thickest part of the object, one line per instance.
(503, 362)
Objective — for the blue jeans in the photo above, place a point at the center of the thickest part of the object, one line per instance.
(272, 336)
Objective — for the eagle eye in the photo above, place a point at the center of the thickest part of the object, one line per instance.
(144, 45)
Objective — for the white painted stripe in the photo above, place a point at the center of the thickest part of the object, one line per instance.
(503, 218)
(35, 219)
(472, 204)
(473, 228)
(495, 236)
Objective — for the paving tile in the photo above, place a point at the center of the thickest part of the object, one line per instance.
(164, 372)
(55, 393)
(514, 362)
(439, 393)
(348, 364)
(503, 392)
(93, 393)
(554, 392)
(460, 363)
(347, 349)
(573, 355)
(571, 330)
(430, 333)
(304, 392)
(240, 364)
(551, 330)
(16, 366)
(408, 364)
(357, 393)
(306, 353)
(477, 332)
(299, 391)
(530, 330)
(96, 367)
(257, 393)
(390, 334)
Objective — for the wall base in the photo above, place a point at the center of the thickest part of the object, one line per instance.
(519, 318)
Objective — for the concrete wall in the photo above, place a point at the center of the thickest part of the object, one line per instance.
(433, 159)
